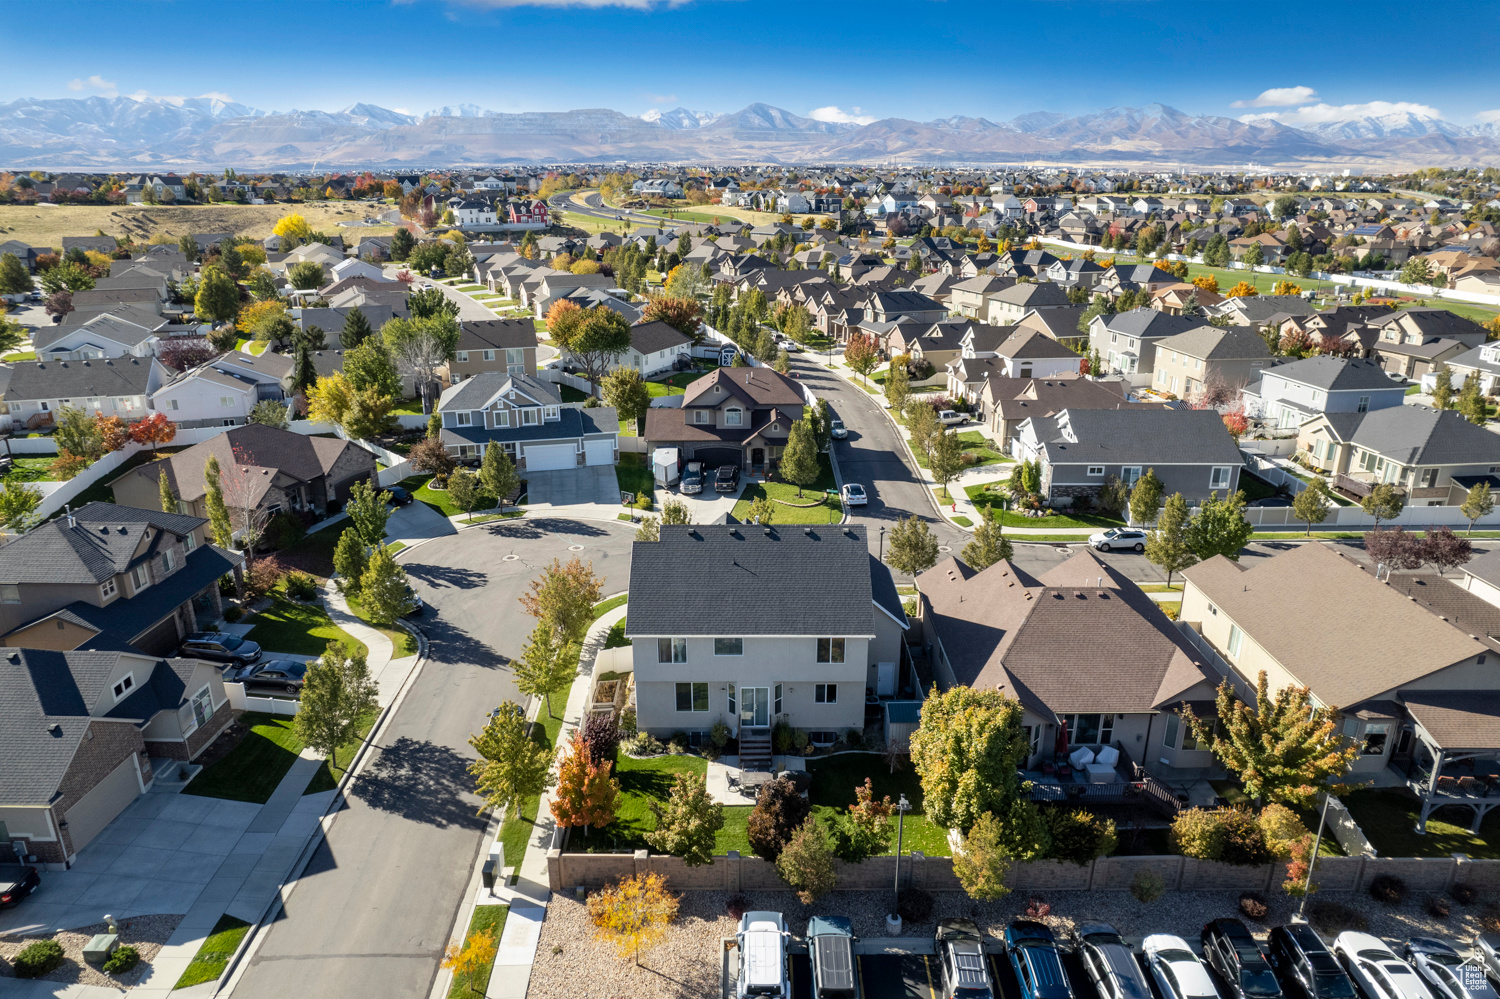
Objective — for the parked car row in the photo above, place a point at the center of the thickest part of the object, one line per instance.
(1294, 963)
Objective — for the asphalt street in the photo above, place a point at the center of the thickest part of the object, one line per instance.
(372, 912)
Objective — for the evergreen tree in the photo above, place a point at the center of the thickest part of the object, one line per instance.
(1145, 498)
(218, 511)
(350, 560)
(13, 277)
(304, 373)
(1442, 388)
(168, 497)
(218, 299)
(1471, 400)
(1167, 547)
(356, 330)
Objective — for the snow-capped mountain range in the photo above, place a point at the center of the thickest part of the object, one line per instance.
(126, 133)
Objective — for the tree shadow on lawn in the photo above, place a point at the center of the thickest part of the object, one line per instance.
(449, 576)
(423, 782)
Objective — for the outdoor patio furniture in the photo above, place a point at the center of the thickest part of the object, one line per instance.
(1049, 769)
(1468, 785)
(1064, 772)
(751, 781)
(1446, 785)
(1100, 773)
(733, 779)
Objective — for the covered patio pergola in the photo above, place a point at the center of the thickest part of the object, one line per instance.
(1460, 731)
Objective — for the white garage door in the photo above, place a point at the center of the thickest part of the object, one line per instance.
(108, 798)
(546, 457)
(599, 452)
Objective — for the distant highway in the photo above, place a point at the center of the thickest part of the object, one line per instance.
(594, 207)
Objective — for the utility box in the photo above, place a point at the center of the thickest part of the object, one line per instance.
(494, 866)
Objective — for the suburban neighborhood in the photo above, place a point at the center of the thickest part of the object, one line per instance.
(690, 554)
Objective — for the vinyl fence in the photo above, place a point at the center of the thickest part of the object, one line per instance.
(734, 873)
(241, 701)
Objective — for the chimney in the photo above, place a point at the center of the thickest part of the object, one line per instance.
(68, 510)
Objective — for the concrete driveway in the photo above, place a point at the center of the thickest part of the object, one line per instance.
(591, 484)
(416, 522)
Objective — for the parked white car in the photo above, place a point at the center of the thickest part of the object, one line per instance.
(1119, 538)
(1376, 968)
(763, 965)
(1178, 972)
(853, 494)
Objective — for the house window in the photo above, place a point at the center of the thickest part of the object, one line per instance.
(825, 693)
(168, 560)
(141, 577)
(465, 418)
(125, 685)
(732, 417)
(776, 706)
(731, 700)
(226, 401)
(502, 417)
(1096, 469)
(1236, 639)
(1376, 734)
(550, 413)
(700, 416)
(515, 355)
(1092, 729)
(692, 697)
(1219, 477)
(10, 593)
(1364, 404)
(1130, 474)
(461, 356)
(830, 650)
(671, 650)
(203, 707)
(172, 404)
(188, 543)
(729, 646)
(1429, 478)
(107, 589)
(531, 416)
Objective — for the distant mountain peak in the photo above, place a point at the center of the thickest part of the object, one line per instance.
(681, 117)
(457, 111)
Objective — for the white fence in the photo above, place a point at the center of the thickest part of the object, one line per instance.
(241, 701)
(1350, 836)
(1272, 473)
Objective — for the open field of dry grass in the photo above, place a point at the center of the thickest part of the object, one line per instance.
(46, 226)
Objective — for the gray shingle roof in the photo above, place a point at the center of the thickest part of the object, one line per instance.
(44, 698)
(1032, 295)
(648, 338)
(1332, 374)
(120, 376)
(132, 616)
(1211, 342)
(493, 334)
(100, 543)
(472, 393)
(576, 422)
(1142, 436)
(1414, 435)
(1150, 323)
(739, 580)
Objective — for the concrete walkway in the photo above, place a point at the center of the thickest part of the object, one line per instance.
(388, 671)
(416, 522)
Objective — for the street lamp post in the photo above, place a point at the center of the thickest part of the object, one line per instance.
(1312, 861)
(881, 556)
(901, 807)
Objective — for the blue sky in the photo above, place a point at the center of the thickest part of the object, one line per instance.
(918, 59)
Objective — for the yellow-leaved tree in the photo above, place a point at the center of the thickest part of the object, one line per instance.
(476, 953)
(633, 915)
(293, 226)
(1243, 290)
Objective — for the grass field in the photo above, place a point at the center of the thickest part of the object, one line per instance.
(982, 499)
(634, 476)
(47, 226)
(296, 628)
(830, 510)
(213, 957)
(438, 499)
(487, 920)
(251, 770)
(975, 443)
(1389, 820)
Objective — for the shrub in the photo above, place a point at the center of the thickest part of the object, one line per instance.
(778, 812)
(284, 530)
(1388, 888)
(1463, 893)
(1080, 836)
(1281, 827)
(736, 906)
(781, 738)
(122, 960)
(719, 736)
(680, 738)
(261, 578)
(919, 369)
(1333, 918)
(1038, 908)
(676, 748)
(37, 959)
(1253, 905)
(1439, 907)
(301, 586)
(602, 735)
(233, 614)
(1225, 834)
(226, 585)
(806, 863)
(1147, 885)
(643, 744)
(627, 723)
(854, 739)
(799, 740)
(914, 905)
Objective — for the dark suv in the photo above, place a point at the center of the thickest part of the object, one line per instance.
(1300, 955)
(220, 649)
(962, 972)
(1033, 955)
(727, 479)
(1230, 950)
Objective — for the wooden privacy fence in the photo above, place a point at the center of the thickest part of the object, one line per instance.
(736, 873)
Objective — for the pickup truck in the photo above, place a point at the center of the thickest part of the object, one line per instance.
(16, 882)
(950, 418)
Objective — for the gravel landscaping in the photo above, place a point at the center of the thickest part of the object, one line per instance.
(145, 933)
(571, 963)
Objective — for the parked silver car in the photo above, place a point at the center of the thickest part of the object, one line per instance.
(1376, 969)
(1445, 971)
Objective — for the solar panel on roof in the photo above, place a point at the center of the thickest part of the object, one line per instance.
(835, 966)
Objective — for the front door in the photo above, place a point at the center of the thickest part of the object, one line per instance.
(757, 458)
(755, 707)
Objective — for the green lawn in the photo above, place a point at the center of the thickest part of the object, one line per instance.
(1254, 487)
(296, 628)
(616, 638)
(984, 498)
(518, 828)
(328, 775)
(976, 444)
(571, 394)
(828, 511)
(603, 607)
(314, 553)
(673, 384)
(488, 919)
(20, 355)
(251, 770)
(634, 476)
(1414, 390)
(213, 957)
(32, 468)
(419, 486)
(641, 782)
(407, 407)
(403, 641)
(1389, 820)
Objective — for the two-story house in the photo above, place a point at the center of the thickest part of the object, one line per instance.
(1080, 450)
(39, 390)
(502, 345)
(655, 347)
(1432, 456)
(209, 395)
(528, 419)
(1188, 362)
(116, 333)
(731, 416)
(755, 626)
(107, 574)
(1033, 637)
(1127, 340)
(79, 731)
(971, 297)
(1288, 395)
(1010, 304)
(1415, 341)
(261, 469)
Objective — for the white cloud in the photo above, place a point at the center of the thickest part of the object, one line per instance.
(218, 95)
(97, 83)
(405, 111)
(1279, 97)
(834, 113)
(1318, 114)
(177, 100)
(1489, 116)
(662, 98)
